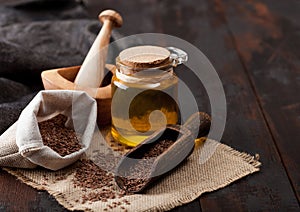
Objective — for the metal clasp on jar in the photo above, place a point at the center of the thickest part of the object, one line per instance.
(177, 56)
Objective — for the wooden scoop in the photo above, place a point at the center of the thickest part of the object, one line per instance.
(91, 72)
(181, 147)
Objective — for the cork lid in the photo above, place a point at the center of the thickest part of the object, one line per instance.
(144, 56)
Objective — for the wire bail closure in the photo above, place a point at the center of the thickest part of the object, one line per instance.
(177, 56)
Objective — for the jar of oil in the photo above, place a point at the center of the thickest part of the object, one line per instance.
(144, 92)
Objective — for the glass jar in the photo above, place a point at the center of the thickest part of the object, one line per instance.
(144, 94)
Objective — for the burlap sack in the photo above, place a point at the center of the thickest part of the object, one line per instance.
(182, 185)
(22, 146)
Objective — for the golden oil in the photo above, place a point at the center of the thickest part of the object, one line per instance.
(140, 108)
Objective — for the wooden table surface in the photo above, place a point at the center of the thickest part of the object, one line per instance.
(254, 45)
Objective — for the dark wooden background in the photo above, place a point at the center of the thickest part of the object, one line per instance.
(255, 47)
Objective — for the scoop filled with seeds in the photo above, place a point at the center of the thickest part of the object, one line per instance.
(160, 153)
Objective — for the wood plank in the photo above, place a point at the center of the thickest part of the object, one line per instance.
(191, 207)
(246, 130)
(17, 196)
(270, 50)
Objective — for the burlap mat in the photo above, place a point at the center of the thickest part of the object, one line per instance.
(184, 184)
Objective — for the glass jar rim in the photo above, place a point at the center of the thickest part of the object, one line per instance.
(168, 73)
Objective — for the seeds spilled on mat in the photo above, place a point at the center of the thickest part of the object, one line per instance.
(58, 137)
(107, 160)
(98, 184)
(140, 172)
(89, 175)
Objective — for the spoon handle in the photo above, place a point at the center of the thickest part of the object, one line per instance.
(196, 126)
(199, 124)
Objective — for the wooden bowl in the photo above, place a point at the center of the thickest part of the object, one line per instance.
(63, 79)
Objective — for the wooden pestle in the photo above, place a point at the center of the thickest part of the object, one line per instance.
(91, 72)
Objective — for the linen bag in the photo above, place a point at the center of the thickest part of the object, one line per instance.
(22, 146)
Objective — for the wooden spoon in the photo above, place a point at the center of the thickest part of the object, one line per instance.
(182, 146)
